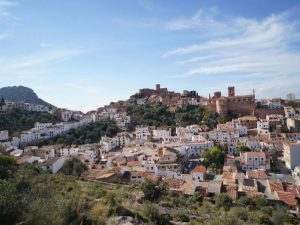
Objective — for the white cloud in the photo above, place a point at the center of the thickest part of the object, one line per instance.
(85, 88)
(203, 19)
(46, 56)
(249, 46)
(4, 6)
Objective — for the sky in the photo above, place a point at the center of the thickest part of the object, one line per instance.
(84, 54)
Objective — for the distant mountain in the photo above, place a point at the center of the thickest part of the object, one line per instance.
(20, 93)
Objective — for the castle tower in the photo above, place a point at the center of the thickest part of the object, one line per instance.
(221, 106)
(157, 87)
(231, 91)
(217, 94)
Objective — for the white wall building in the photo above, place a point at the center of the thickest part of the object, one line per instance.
(263, 127)
(195, 149)
(291, 154)
(161, 133)
(143, 133)
(253, 161)
(4, 135)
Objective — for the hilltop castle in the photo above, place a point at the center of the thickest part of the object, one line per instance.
(232, 104)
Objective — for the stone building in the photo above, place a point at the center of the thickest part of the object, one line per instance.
(232, 104)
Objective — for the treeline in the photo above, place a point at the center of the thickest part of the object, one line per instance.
(17, 120)
(90, 133)
(159, 115)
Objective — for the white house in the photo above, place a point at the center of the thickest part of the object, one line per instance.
(253, 161)
(291, 154)
(66, 115)
(254, 144)
(161, 133)
(198, 174)
(195, 149)
(53, 164)
(4, 135)
(108, 143)
(274, 103)
(263, 126)
(122, 120)
(289, 112)
(143, 133)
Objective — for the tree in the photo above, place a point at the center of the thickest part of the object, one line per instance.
(2, 104)
(7, 166)
(74, 167)
(260, 202)
(245, 201)
(239, 213)
(223, 201)
(214, 158)
(242, 148)
(153, 190)
(279, 216)
(9, 204)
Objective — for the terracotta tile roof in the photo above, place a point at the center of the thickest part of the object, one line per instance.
(23, 159)
(134, 163)
(173, 184)
(253, 194)
(253, 154)
(228, 177)
(288, 187)
(247, 118)
(199, 169)
(151, 176)
(105, 175)
(256, 174)
(275, 185)
(287, 197)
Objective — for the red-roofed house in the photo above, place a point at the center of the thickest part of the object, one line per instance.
(287, 198)
(256, 174)
(198, 173)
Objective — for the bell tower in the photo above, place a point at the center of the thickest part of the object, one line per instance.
(231, 91)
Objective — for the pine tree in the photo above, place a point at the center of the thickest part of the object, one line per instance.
(2, 104)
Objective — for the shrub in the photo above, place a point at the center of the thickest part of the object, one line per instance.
(153, 190)
(239, 213)
(182, 217)
(223, 201)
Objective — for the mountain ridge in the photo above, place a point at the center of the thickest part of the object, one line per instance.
(22, 93)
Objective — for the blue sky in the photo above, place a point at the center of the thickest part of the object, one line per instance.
(83, 54)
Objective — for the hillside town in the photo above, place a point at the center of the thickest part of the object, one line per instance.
(260, 146)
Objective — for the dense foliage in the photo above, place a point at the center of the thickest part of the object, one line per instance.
(160, 115)
(17, 120)
(242, 148)
(214, 158)
(87, 134)
(153, 190)
(73, 167)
